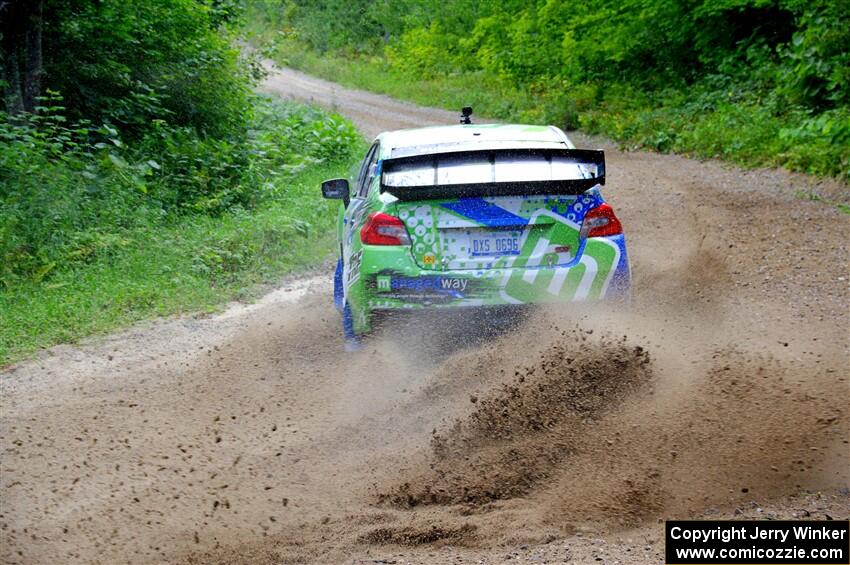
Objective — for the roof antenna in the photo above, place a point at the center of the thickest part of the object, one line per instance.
(465, 114)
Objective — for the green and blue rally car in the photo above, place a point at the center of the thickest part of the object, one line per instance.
(474, 216)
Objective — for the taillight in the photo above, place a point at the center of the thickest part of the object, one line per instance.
(383, 229)
(600, 221)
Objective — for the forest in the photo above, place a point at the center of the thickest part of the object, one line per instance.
(755, 82)
(140, 173)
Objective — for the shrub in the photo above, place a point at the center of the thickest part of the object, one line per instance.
(759, 82)
(72, 193)
(128, 63)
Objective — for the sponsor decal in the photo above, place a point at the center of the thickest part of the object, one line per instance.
(453, 284)
(383, 283)
(353, 266)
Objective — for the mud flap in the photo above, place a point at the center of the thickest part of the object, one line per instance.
(352, 341)
(338, 290)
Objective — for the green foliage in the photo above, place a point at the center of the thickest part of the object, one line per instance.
(192, 265)
(147, 115)
(423, 52)
(758, 82)
(130, 62)
(818, 73)
(71, 192)
(92, 235)
(151, 179)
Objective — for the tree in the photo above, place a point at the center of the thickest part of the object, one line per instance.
(23, 66)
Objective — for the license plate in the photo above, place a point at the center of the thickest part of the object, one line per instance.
(494, 243)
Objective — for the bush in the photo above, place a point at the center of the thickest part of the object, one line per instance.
(131, 62)
(148, 178)
(759, 82)
(63, 197)
(72, 193)
(146, 116)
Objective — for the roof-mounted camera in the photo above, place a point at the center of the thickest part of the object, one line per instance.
(465, 115)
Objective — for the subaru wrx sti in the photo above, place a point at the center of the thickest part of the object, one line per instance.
(474, 216)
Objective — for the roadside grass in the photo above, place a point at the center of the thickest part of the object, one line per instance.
(705, 122)
(195, 265)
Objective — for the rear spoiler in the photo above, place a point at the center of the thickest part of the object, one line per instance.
(500, 172)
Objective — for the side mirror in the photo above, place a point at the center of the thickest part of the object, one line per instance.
(337, 189)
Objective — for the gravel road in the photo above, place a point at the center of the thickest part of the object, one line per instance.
(249, 436)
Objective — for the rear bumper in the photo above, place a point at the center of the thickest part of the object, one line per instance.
(602, 272)
(501, 315)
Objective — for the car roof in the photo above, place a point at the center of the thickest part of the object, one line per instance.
(440, 139)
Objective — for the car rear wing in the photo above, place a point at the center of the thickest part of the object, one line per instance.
(501, 172)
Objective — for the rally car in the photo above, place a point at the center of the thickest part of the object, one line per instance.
(474, 216)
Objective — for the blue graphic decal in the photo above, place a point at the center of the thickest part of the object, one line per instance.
(485, 213)
(576, 211)
(449, 286)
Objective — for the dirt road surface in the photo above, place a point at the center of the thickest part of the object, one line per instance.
(249, 436)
